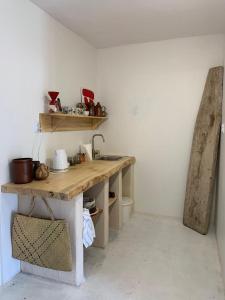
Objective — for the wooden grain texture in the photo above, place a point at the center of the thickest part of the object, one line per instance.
(78, 179)
(61, 122)
(201, 174)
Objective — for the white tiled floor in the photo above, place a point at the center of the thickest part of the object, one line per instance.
(151, 259)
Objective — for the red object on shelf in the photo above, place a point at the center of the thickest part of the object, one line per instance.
(88, 98)
(53, 95)
(88, 93)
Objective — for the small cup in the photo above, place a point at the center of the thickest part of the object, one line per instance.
(86, 113)
(65, 109)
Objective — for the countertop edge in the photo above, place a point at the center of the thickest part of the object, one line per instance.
(67, 196)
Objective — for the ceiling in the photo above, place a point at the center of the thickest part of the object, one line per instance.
(107, 23)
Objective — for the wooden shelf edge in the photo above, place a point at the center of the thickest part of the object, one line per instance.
(61, 115)
(57, 122)
(112, 201)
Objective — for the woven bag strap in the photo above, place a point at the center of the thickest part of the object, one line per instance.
(46, 204)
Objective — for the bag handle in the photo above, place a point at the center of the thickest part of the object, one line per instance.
(46, 204)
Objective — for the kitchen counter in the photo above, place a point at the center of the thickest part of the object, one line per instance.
(65, 186)
(96, 178)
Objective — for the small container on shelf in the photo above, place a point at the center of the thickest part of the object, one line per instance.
(98, 110)
(92, 109)
(104, 113)
(126, 205)
(72, 160)
(89, 203)
(86, 113)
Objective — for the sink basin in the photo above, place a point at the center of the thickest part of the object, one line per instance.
(110, 157)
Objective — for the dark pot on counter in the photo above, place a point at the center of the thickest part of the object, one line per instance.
(22, 170)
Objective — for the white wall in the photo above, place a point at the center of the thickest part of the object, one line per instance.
(37, 54)
(220, 219)
(153, 92)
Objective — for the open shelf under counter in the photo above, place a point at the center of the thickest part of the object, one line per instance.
(51, 122)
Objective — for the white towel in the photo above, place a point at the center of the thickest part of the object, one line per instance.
(88, 229)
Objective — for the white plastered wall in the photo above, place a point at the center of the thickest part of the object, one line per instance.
(37, 54)
(153, 92)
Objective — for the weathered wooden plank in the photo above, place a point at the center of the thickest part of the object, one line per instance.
(201, 174)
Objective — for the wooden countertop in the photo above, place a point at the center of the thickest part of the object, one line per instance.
(65, 186)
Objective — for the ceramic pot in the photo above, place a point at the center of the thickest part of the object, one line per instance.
(22, 170)
(42, 172)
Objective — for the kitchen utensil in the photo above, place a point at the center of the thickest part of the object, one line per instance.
(53, 95)
(60, 160)
(22, 170)
(53, 102)
(88, 97)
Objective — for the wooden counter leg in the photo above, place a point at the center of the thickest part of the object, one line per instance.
(72, 212)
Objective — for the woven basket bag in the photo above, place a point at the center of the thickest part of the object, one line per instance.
(42, 242)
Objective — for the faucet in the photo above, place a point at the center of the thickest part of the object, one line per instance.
(94, 152)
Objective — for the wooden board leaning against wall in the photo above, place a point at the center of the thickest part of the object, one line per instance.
(204, 152)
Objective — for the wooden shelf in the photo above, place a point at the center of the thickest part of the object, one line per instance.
(112, 201)
(52, 122)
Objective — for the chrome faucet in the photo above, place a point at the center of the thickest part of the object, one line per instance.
(94, 152)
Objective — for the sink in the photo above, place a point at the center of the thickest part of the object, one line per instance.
(109, 157)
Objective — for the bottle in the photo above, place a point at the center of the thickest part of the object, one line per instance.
(98, 110)
(104, 113)
(92, 109)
